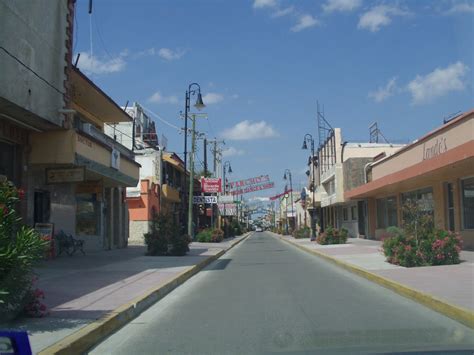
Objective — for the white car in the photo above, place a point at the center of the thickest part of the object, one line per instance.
(258, 229)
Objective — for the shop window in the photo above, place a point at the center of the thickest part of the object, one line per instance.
(468, 203)
(354, 213)
(87, 214)
(387, 214)
(345, 214)
(449, 207)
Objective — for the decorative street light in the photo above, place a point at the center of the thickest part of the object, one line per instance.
(312, 160)
(199, 105)
(228, 168)
(287, 176)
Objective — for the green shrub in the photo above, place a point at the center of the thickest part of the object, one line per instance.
(332, 236)
(204, 236)
(20, 248)
(304, 232)
(165, 237)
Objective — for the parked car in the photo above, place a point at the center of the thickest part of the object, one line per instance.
(258, 229)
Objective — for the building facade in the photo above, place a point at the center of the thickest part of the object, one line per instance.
(341, 167)
(437, 171)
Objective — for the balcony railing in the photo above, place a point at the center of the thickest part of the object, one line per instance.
(92, 131)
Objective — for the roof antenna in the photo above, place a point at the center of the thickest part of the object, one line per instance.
(77, 60)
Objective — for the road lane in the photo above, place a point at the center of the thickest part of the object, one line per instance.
(267, 296)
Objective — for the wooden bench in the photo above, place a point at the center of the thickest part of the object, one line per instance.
(70, 245)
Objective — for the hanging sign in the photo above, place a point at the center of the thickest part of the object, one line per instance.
(204, 199)
(211, 185)
(226, 199)
(227, 209)
(248, 182)
(253, 188)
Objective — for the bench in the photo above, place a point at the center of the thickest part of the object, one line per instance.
(70, 245)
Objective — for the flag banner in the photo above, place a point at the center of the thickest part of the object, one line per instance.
(253, 188)
(233, 185)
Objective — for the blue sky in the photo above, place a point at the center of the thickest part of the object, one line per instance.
(262, 64)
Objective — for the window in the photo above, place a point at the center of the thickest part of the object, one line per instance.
(87, 214)
(354, 213)
(345, 214)
(449, 207)
(467, 191)
(423, 197)
(387, 214)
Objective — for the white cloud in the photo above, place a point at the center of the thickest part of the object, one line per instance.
(283, 12)
(379, 16)
(247, 130)
(158, 98)
(304, 21)
(461, 8)
(384, 92)
(169, 54)
(231, 151)
(212, 98)
(439, 82)
(341, 5)
(95, 65)
(258, 4)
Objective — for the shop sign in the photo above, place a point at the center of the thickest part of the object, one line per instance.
(211, 185)
(433, 149)
(227, 209)
(226, 199)
(204, 199)
(65, 175)
(115, 159)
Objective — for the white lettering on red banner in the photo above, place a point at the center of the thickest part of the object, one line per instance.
(211, 185)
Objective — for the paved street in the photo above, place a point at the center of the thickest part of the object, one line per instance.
(267, 296)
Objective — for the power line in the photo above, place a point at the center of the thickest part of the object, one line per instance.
(31, 70)
(162, 119)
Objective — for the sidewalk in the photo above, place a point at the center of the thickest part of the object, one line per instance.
(82, 289)
(453, 284)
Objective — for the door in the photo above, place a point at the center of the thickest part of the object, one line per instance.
(42, 207)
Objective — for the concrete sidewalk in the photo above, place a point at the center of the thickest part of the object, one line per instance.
(82, 289)
(453, 284)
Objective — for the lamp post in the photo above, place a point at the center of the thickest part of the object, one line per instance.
(198, 105)
(308, 138)
(287, 176)
(226, 168)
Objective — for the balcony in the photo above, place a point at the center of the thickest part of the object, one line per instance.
(170, 193)
(100, 157)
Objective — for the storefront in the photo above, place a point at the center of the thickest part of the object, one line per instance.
(436, 171)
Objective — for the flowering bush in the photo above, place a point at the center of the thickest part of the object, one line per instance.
(165, 237)
(440, 247)
(20, 248)
(35, 307)
(332, 236)
(217, 235)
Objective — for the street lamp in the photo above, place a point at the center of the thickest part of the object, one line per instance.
(309, 138)
(199, 105)
(227, 168)
(287, 176)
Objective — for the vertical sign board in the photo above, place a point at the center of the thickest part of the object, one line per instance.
(211, 185)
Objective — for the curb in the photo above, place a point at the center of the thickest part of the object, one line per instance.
(452, 311)
(91, 334)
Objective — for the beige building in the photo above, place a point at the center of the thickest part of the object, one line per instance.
(340, 168)
(79, 174)
(437, 170)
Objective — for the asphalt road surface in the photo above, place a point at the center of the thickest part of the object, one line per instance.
(265, 296)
